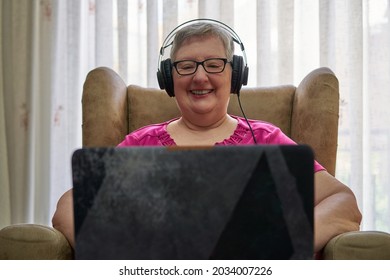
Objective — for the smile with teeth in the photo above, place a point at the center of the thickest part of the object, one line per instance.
(201, 92)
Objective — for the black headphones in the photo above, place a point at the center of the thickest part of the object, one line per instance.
(239, 63)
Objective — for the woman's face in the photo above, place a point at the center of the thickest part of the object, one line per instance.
(202, 93)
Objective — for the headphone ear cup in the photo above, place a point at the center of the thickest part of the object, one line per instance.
(160, 79)
(164, 76)
(237, 74)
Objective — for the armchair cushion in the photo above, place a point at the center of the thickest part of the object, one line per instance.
(148, 106)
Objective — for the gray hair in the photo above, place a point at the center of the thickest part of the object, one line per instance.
(202, 29)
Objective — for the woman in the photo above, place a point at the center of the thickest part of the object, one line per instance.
(202, 75)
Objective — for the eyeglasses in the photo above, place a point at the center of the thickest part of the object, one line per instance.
(211, 65)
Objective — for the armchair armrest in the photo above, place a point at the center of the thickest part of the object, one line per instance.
(38, 242)
(358, 245)
(33, 242)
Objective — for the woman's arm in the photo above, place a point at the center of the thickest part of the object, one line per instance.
(335, 210)
(63, 219)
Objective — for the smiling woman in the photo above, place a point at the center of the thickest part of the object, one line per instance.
(202, 98)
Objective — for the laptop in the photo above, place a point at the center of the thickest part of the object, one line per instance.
(223, 202)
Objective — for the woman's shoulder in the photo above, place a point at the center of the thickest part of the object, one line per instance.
(153, 134)
(151, 129)
(264, 132)
(256, 124)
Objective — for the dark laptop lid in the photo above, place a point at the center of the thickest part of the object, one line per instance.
(230, 202)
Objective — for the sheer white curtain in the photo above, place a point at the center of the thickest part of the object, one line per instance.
(5, 209)
(48, 47)
(43, 49)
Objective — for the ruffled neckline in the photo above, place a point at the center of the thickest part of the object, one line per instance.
(238, 135)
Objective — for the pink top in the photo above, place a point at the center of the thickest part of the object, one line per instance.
(265, 133)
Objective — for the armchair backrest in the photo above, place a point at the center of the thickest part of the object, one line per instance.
(308, 113)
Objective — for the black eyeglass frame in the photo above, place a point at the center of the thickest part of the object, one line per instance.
(225, 61)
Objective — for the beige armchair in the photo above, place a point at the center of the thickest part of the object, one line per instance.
(307, 113)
